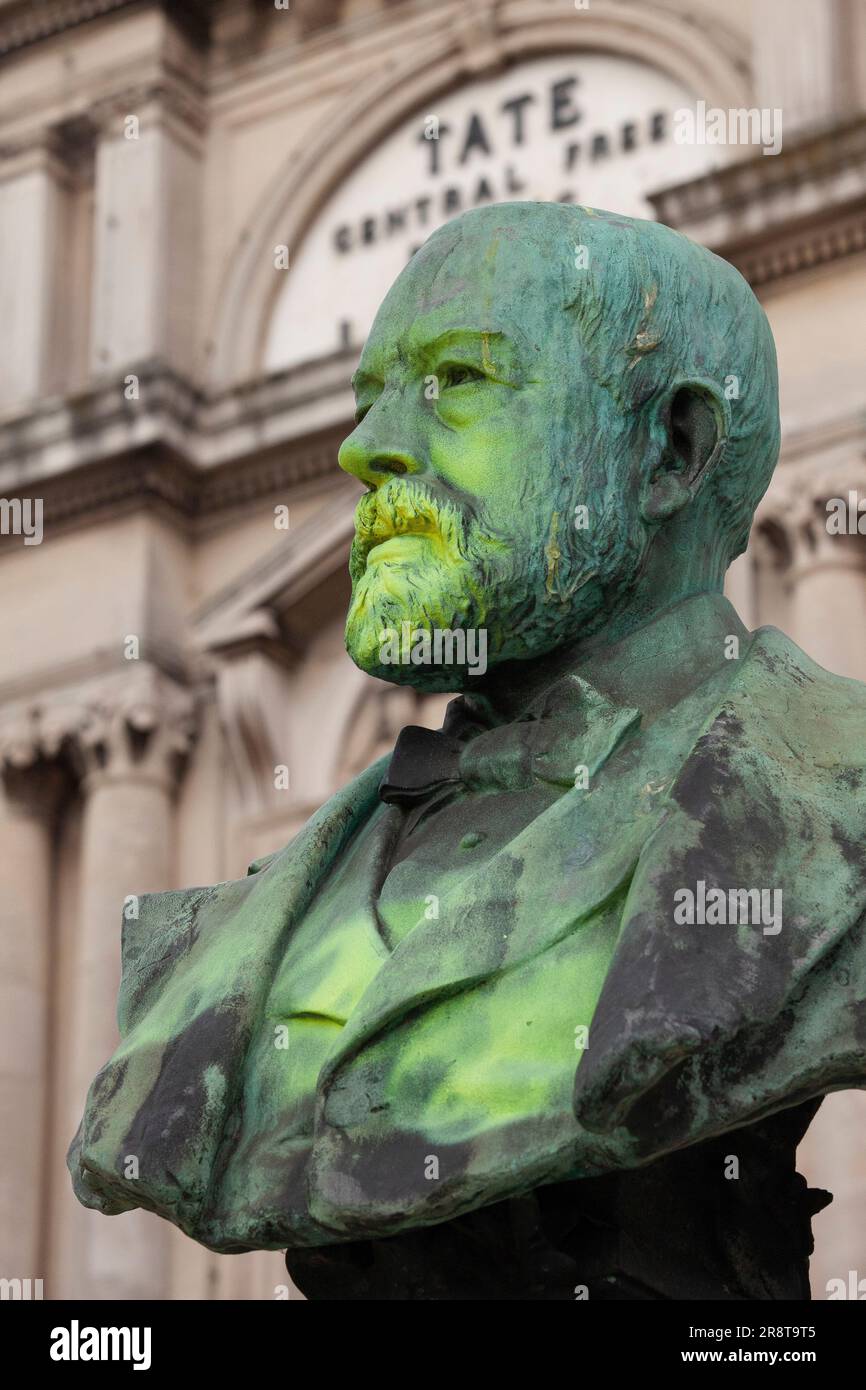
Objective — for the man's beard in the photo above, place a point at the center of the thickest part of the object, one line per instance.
(526, 594)
(445, 584)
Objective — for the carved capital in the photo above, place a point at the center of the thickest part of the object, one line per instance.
(161, 99)
(140, 728)
(136, 725)
(34, 791)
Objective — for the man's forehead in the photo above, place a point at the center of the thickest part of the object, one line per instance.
(483, 286)
(472, 262)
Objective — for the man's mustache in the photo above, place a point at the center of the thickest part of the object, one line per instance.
(400, 510)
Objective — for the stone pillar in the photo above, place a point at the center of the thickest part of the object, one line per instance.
(796, 59)
(42, 184)
(147, 240)
(28, 798)
(829, 603)
(129, 746)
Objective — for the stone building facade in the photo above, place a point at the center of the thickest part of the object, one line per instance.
(200, 207)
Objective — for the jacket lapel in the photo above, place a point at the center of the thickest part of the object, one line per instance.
(541, 885)
(554, 875)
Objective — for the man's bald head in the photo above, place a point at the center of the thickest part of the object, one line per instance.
(650, 306)
(565, 421)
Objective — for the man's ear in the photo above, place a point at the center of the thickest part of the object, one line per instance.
(693, 418)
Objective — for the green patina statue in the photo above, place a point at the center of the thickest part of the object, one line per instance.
(505, 1016)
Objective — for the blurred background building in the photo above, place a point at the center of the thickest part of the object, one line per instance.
(201, 205)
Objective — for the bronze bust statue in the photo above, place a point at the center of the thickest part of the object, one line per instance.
(540, 1005)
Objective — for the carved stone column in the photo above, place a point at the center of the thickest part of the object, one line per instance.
(28, 799)
(129, 743)
(797, 58)
(147, 190)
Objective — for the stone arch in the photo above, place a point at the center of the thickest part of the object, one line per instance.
(705, 59)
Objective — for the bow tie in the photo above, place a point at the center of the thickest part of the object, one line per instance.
(574, 725)
(423, 762)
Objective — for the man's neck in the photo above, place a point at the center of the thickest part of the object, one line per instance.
(651, 665)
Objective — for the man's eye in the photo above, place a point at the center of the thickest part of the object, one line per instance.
(458, 374)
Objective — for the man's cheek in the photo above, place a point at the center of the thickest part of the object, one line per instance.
(471, 461)
(500, 467)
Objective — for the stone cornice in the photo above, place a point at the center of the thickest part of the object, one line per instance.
(778, 215)
(25, 22)
(200, 456)
(194, 453)
(819, 438)
(822, 241)
(52, 684)
(161, 96)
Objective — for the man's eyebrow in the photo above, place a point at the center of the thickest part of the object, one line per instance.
(453, 337)
(494, 348)
(492, 345)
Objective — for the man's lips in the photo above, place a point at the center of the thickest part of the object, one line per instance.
(385, 529)
(392, 546)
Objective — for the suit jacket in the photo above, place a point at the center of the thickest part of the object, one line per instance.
(698, 1029)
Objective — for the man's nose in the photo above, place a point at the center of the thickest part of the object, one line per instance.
(381, 445)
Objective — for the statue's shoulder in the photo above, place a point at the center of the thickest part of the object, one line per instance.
(160, 929)
(344, 806)
(824, 714)
(342, 809)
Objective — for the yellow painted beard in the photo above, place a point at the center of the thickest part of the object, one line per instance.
(418, 581)
(458, 578)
